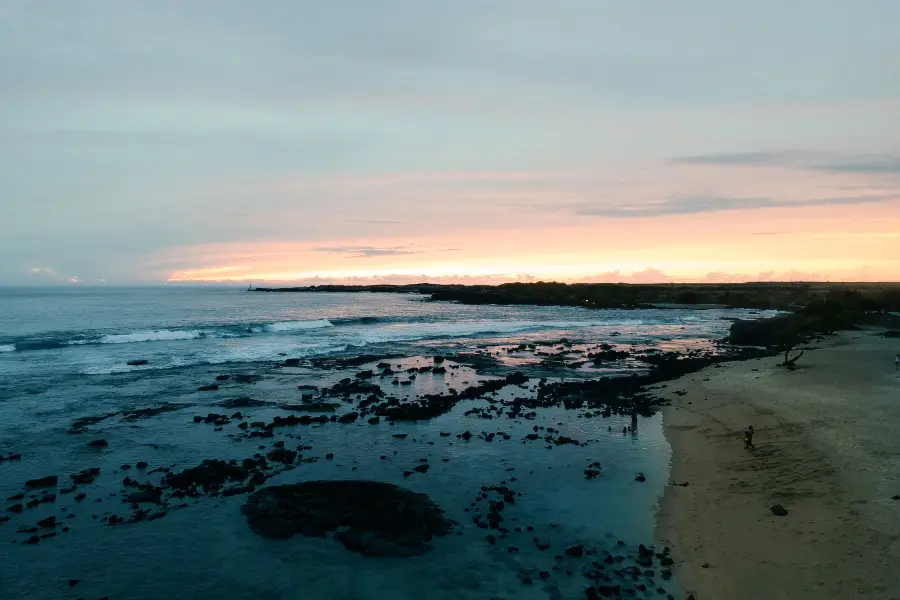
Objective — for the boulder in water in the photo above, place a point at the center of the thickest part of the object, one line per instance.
(369, 517)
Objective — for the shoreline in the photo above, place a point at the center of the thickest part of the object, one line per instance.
(827, 450)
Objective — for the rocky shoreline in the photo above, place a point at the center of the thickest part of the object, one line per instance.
(374, 391)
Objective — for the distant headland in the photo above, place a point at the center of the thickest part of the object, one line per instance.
(764, 295)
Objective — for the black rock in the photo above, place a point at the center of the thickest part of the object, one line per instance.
(640, 478)
(47, 523)
(42, 482)
(223, 377)
(15, 508)
(208, 388)
(373, 518)
(779, 511)
(576, 551)
(137, 363)
(98, 444)
(329, 456)
(422, 468)
(141, 465)
(349, 417)
(86, 476)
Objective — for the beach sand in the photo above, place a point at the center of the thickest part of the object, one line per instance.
(827, 449)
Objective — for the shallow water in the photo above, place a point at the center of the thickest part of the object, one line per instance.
(206, 548)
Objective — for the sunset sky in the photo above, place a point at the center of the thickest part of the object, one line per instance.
(465, 141)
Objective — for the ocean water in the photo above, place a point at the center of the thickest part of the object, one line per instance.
(64, 355)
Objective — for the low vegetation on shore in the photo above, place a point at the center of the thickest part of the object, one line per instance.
(772, 295)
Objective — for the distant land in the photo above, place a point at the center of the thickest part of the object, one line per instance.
(767, 295)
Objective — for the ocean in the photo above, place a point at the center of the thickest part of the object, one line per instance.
(65, 381)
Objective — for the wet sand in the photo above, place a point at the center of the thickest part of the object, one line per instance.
(827, 449)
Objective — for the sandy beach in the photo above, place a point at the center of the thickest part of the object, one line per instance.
(827, 449)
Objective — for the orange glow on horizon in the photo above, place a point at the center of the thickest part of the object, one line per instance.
(814, 244)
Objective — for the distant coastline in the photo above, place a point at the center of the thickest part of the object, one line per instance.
(767, 295)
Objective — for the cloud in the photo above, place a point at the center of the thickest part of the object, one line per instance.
(690, 205)
(815, 161)
(366, 251)
(648, 275)
(377, 222)
(43, 271)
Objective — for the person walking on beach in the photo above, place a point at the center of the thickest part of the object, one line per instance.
(748, 438)
(897, 362)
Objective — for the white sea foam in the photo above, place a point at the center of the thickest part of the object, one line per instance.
(419, 331)
(159, 335)
(297, 325)
(9, 348)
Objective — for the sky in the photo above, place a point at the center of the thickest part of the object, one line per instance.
(466, 141)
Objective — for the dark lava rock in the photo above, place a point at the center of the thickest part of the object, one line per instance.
(15, 508)
(779, 511)
(42, 482)
(141, 464)
(349, 417)
(223, 377)
(895, 497)
(374, 420)
(137, 363)
(242, 403)
(208, 388)
(86, 476)
(282, 455)
(400, 436)
(421, 468)
(591, 473)
(48, 523)
(575, 551)
(313, 407)
(329, 456)
(640, 478)
(210, 474)
(372, 518)
(147, 494)
(98, 444)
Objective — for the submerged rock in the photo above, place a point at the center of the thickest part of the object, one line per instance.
(371, 518)
(137, 363)
(42, 482)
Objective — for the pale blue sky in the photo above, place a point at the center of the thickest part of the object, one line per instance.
(131, 129)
